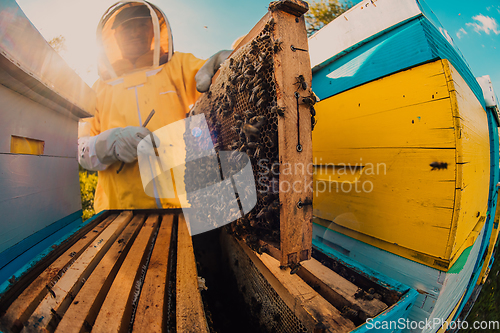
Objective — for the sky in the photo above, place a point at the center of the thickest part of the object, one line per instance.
(204, 27)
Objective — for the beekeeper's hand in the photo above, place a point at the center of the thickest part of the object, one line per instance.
(119, 144)
(204, 76)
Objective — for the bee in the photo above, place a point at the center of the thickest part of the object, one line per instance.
(359, 293)
(295, 269)
(256, 89)
(255, 47)
(250, 130)
(265, 213)
(219, 110)
(301, 82)
(256, 155)
(253, 145)
(265, 37)
(251, 98)
(249, 72)
(313, 123)
(256, 81)
(260, 121)
(263, 56)
(269, 198)
(270, 24)
(310, 100)
(260, 102)
(236, 117)
(249, 114)
(439, 166)
(277, 46)
(246, 61)
(239, 123)
(349, 313)
(262, 67)
(234, 145)
(313, 111)
(243, 148)
(278, 110)
(52, 293)
(233, 78)
(218, 126)
(242, 87)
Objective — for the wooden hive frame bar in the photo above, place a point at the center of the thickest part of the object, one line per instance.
(122, 275)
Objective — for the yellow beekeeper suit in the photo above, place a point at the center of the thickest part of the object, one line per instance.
(126, 93)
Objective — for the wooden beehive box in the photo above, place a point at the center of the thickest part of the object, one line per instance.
(42, 100)
(260, 103)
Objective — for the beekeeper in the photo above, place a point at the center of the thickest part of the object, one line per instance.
(139, 72)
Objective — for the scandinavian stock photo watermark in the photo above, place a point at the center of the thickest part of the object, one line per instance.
(328, 177)
(430, 324)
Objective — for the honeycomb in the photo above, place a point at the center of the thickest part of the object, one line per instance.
(242, 115)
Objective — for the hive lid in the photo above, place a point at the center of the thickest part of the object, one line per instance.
(31, 67)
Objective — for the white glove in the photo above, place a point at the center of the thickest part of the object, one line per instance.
(119, 144)
(204, 76)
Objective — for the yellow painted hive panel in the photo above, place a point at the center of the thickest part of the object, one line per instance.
(385, 163)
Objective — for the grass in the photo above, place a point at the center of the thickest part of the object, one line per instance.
(487, 306)
(88, 183)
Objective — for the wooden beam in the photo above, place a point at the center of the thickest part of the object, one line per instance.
(75, 276)
(338, 290)
(150, 311)
(116, 311)
(271, 249)
(86, 304)
(190, 315)
(20, 310)
(295, 149)
(316, 313)
(294, 7)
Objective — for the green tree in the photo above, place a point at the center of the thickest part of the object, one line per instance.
(88, 184)
(323, 12)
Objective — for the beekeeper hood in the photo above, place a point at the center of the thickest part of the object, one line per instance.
(132, 35)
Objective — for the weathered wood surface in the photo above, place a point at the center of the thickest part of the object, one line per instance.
(190, 315)
(294, 7)
(116, 311)
(114, 279)
(315, 313)
(28, 300)
(85, 306)
(71, 282)
(150, 311)
(295, 139)
(337, 290)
